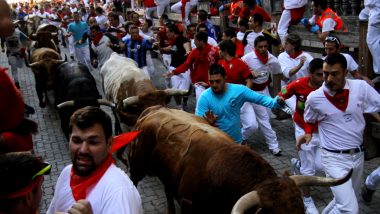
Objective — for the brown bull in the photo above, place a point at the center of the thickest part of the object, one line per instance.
(206, 172)
(43, 62)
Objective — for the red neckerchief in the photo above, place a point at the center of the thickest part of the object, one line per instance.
(139, 39)
(172, 41)
(80, 184)
(263, 58)
(295, 55)
(97, 38)
(340, 99)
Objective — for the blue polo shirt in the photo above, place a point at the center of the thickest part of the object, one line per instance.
(227, 107)
(78, 29)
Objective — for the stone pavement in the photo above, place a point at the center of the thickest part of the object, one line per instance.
(51, 144)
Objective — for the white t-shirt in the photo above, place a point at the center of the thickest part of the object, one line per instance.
(292, 4)
(114, 193)
(340, 130)
(211, 41)
(374, 11)
(271, 67)
(251, 41)
(352, 66)
(240, 35)
(287, 63)
(327, 25)
(102, 50)
(101, 20)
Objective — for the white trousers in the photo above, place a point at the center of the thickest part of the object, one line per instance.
(373, 42)
(149, 12)
(162, 5)
(345, 195)
(199, 89)
(176, 8)
(15, 63)
(83, 56)
(310, 154)
(373, 179)
(262, 121)
(181, 81)
(167, 58)
(248, 120)
(283, 25)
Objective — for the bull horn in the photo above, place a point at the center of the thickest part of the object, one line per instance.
(302, 180)
(34, 64)
(53, 34)
(66, 104)
(246, 202)
(130, 101)
(58, 61)
(106, 103)
(173, 92)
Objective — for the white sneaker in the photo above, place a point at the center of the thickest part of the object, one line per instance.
(310, 206)
(296, 165)
(276, 151)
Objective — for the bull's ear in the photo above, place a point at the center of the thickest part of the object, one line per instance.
(286, 173)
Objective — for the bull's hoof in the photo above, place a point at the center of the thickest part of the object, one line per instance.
(42, 104)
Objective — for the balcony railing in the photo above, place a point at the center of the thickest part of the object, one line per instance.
(346, 7)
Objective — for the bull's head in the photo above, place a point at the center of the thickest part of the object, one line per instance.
(282, 195)
(44, 39)
(135, 105)
(45, 68)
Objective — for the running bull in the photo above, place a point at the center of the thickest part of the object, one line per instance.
(131, 89)
(43, 63)
(74, 88)
(206, 172)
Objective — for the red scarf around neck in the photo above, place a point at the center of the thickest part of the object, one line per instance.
(263, 58)
(80, 184)
(339, 100)
(97, 38)
(295, 55)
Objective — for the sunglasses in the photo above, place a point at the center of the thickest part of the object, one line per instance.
(44, 171)
(332, 39)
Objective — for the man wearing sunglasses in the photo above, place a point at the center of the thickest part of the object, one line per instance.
(93, 174)
(221, 103)
(21, 178)
(332, 45)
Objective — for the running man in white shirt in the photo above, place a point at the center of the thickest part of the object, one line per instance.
(93, 175)
(262, 64)
(294, 64)
(338, 107)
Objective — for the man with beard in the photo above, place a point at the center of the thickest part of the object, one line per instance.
(93, 174)
(221, 103)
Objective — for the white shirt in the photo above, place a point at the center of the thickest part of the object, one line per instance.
(102, 50)
(352, 66)
(44, 17)
(211, 41)
(327, 25)
(114, 193)
(251, 41)
(292, 4)
(287, 63)
(374, 11)
(101, 20)
(340, 130)
(271, 67)
(240, 35)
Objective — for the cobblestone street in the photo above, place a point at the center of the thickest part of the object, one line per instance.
(51, 144)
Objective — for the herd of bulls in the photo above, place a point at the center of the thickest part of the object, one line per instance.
(200, 166)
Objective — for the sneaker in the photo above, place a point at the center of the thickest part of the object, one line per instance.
(367, 194)
(276, 151)
(310, 206)
(296, 165)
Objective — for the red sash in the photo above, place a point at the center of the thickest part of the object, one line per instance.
(339, 100)
(97, 38)
(263, 58)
